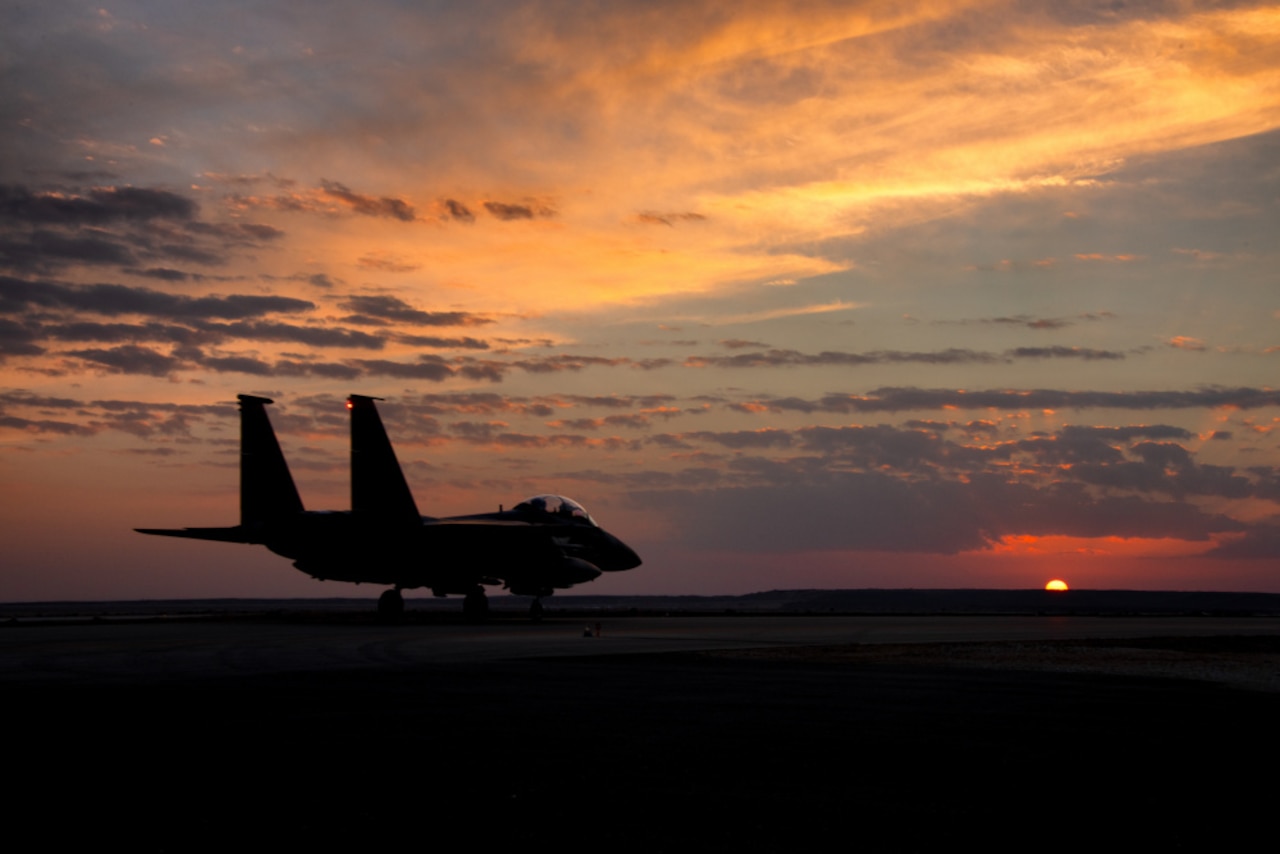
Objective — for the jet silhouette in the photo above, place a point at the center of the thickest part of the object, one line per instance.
(543, 544)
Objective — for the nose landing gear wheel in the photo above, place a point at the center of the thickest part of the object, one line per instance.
(391, 604)
(476, 606)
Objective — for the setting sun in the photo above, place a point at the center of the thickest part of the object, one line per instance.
(1056, 584)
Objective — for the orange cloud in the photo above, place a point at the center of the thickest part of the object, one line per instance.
(1098, 256)
(1061, 546)
(1186, 342)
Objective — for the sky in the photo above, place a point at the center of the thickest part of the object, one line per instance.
(788, 295)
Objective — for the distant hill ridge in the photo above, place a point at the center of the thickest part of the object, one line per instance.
(810, 601)
(960, 601)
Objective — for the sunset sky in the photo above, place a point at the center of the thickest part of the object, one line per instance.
(794, 294)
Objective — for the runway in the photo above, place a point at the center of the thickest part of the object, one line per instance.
(662, 734)
(160, 648)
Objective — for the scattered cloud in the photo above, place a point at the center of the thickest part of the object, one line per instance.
(377, 310)
(1032, 322)
(508, 212)
(956, 356)
(383, 206)
(18, 295)
(456, 210)
(96, 207)
(1098, 256)
(918, 399)
(385, 264)
(668, 219)
(779, 313)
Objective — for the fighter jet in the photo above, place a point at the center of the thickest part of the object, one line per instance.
(543, 544)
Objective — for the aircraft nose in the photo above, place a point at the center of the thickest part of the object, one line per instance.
(621, 555)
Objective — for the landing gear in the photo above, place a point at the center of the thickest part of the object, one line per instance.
(391, 604)
(535, 610)
(476, 606)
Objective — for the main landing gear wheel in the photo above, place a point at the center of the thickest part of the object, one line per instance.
(535, 610)
(476, 606)
(391, 604)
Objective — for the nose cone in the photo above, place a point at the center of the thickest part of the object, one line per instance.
(621, 555)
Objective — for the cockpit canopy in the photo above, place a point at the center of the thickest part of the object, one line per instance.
(558, 506)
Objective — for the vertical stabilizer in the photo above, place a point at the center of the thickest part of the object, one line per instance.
(267, 490)
(378, 487)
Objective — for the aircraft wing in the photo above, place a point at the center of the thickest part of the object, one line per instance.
(499, 540)
(529, 560)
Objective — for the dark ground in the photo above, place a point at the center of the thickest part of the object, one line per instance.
(651, 752)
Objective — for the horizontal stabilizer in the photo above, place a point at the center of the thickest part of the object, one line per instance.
(227, 535)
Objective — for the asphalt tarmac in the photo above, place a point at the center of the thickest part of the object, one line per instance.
(662, 734)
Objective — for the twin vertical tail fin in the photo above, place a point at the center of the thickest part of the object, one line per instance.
(378, 488)
(268, 495)
(267, 491)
